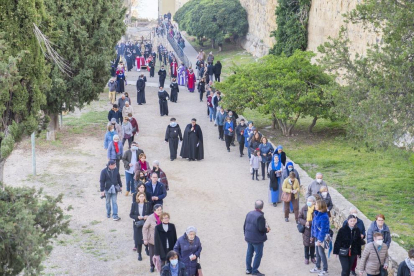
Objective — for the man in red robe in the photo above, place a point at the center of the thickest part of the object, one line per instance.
(138, 60)
(191, 81)
(173, 69)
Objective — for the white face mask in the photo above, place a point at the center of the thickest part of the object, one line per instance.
(412, 261)
(379, 242)
(319, 180)
(324, 194)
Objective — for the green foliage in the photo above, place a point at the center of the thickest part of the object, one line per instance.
(213, 19)
(28, 223)
(292, 18)
(379, 96)
(85, 34)
(285, 87)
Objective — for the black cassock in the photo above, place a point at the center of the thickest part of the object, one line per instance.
(163, 101)
(174, 92)
(172, 136)
(192, 147)
(163, 75)
(141, 90)
(152, 68)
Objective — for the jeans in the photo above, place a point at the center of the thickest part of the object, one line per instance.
(254, 248)
(255, 171)
(346, 263)
(130, 182)
(214, 113)
(309, 252)
(320, 256)
(211, 113)
(111, 198)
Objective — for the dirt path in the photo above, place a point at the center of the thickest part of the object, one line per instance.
(214, 195)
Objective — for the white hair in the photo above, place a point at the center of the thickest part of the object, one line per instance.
(191, 229)
(126, 102)
(156, 162)
(115, 137)
(353, 209)
(319, 174)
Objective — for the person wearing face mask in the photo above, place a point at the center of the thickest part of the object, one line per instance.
(109, 136)
(360, 224)
(240, 137)
(348, 245)
(305, 218)
(379, 226)
(220, 121)
(162, 177)
(172, 137)
(228, 132)
(162, 75)
(173, 267)
(188, 248)
(266, 150)
(115, 150)
(165, 238)
(174, 90)
(315, 186)
(323, 192)
(291, 186)
(247, 133)
(130, 158)
(148, 232)
(134, 124)
(375, 257)
(406, 267)
(320, 230)
(141, 90)
(112, 91)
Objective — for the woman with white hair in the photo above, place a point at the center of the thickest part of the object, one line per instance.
(115, 150)
(189, 248)
(161, 174)
(127, 109)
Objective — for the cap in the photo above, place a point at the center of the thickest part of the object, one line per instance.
(112, 162)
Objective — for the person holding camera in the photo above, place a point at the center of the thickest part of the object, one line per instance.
(110, 186)
(140, 210)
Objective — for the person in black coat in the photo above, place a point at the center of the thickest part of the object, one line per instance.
(172, 262)
(240, 138)
(174, 90)
(165, 237)
(141, 90)
(140, 210)
(156, 190)
(406, 267)
(323, 192)
(152, 67)
(115, 113)
(201, 88)
(192, 147)
(217, 71)
(141, 188)
(172, 136)
(163, 101)
(349, 241)
(162, 75)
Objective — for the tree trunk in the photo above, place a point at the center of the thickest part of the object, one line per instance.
(275, 124)
(313, 124)
(2, 163)
(283, 127)
(212, 43)
(53, 127)
(290, 129)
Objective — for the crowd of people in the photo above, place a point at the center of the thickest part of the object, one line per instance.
(148, 185)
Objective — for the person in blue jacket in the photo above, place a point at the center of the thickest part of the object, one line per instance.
(109, 136)
(320, 229)
(228, 132)
(247, 132)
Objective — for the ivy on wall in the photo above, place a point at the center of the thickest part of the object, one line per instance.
(292, 18)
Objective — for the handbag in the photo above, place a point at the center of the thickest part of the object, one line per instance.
(139, 223)
(344, 252)
(301, 228)
(286, 197)
(199, 272)
(383, 272)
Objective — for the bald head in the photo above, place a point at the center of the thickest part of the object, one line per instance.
(259, 204)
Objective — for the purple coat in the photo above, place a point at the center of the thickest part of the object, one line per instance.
(184, 249)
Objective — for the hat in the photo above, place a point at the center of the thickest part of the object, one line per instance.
(111, 162)
(279, 147)
(191, 229)
(289, 164)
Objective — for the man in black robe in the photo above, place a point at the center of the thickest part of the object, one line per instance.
(141, 90)
(162, 75)
(163, 98)
(192, 147)
(172, 135)
(174, 90)
(152, 68)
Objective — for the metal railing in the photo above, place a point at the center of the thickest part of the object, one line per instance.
(177, 49)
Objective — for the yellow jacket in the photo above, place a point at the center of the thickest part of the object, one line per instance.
(287, 188)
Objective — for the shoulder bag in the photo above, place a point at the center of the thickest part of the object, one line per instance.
(383, 272)
(286, 197)
(346, 252)
(139, 223)
(301, 228)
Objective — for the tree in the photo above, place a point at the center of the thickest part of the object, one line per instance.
(285, 87)
(28, 222)
(84, 33)
(378, 98)
(23, 73)
(213, 19)
(292, 18)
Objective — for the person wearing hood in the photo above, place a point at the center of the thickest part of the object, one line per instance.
(282, 155)
(375, 257)
(193, 147)
(141, 90)
(174, 90)
(324, 194)
(109, 136)
(379, 226)
(247, 131)
(163, 101)
(109, 180)
(290, 168)
(406, 267)
(172, 137)
(174, 267)
(165, 237)
(316, 185)
(240, 137)
(275, 183)
(188, 248)
(348, 245)
(162, 75)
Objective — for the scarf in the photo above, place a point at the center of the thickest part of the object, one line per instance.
(409, 265)
(157, 218)
(310, 212)
(143, 165)
(116, 147)
(276, 167)
(174, 270)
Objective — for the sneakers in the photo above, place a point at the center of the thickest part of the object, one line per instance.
(258, 274)
(248, 272)
(117, 218)
(323, 273)
(286, 219)
(315, 270)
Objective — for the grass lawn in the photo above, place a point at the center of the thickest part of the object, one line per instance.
(229, 56)
(376, 182)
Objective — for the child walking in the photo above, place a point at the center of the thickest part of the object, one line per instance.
(255, 160)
